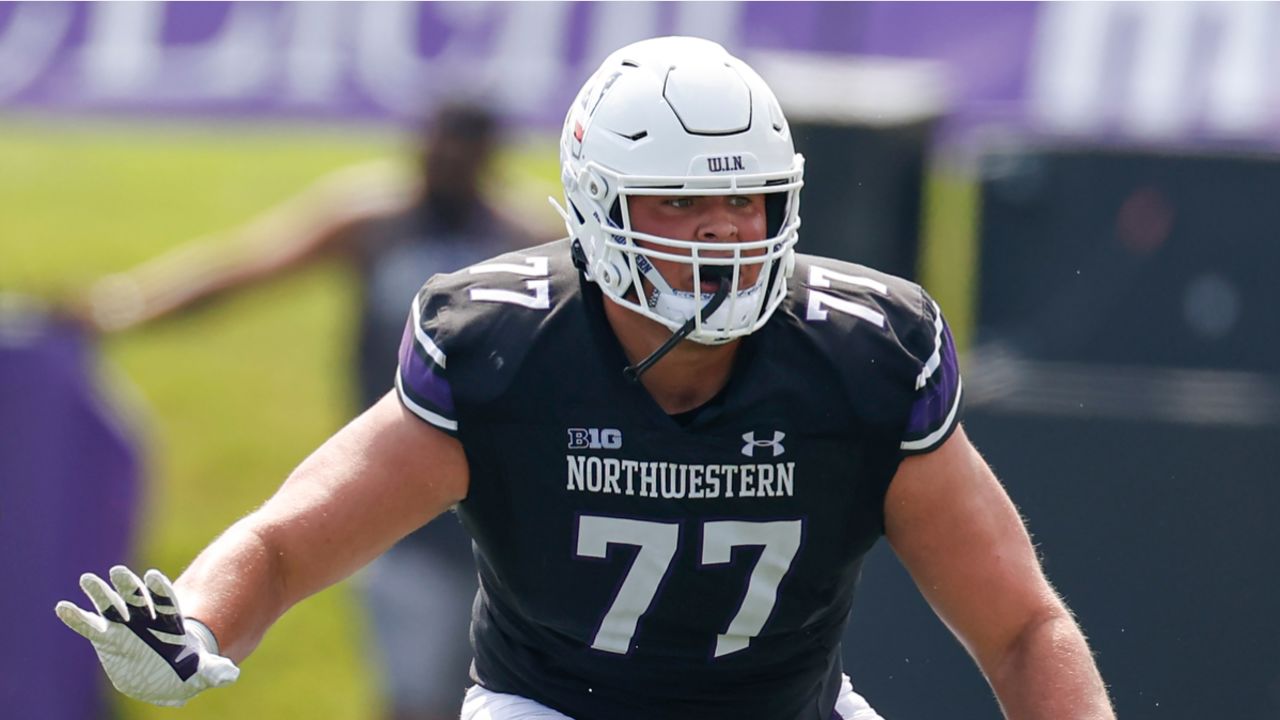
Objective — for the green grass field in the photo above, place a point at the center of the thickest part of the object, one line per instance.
(238, 393)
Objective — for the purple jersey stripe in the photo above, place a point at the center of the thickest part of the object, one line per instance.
(420, 375)
(937, 398)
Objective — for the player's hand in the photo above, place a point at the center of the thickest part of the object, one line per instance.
(138, 632)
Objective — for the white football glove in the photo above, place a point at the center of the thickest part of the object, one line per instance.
(147, 649)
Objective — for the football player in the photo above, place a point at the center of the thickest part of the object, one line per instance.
(672, 439)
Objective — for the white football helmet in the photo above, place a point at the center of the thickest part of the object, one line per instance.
(680, 116)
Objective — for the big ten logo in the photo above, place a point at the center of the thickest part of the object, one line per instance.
(595, 438)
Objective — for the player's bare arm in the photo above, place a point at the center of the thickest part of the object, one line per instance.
(379, 478)
(955, 529)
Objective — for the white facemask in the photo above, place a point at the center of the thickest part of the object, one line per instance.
(739, 309)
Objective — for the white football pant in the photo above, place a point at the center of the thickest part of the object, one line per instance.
(481, 704)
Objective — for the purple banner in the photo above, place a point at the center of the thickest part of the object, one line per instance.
(1147, 71)
(69, 493)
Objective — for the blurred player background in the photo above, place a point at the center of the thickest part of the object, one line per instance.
(1088, 188)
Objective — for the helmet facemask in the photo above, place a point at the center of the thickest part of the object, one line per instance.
(755, 270)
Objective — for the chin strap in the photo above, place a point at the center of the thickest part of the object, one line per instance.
(633, 372)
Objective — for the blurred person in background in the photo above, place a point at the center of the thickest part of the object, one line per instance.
(394, 229)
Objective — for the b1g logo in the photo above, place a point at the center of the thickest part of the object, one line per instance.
(595, 439)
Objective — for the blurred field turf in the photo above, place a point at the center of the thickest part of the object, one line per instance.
(238, 393)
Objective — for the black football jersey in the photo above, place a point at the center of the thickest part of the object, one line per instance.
(637, 565)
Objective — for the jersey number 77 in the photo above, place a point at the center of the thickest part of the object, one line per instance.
(658, 542)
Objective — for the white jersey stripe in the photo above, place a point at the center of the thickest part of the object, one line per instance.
(436, 419)
(942, 430)
(423, 339)
(931, 366)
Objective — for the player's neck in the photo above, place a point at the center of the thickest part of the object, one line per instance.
(685, 378)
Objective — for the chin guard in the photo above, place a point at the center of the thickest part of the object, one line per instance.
(633, 372)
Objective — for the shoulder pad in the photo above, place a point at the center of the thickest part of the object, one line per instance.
(469, 331)
(888, 337)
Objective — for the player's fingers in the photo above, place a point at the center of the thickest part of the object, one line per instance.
(89, 625)
(164, 600)
(105, 600)
(130, 588)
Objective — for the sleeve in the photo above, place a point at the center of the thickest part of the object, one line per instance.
(935, 412)
(421, 380)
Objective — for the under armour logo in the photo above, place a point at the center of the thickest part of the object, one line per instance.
(749, 448)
